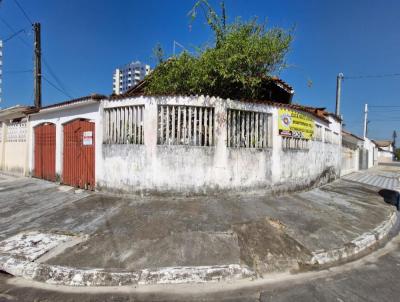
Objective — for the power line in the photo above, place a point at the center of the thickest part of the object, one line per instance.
(50, 70)
(13, 35)
(389, 75)
(384, 106)
(12, 30)
(24, 12)
(55, 87)
(54, 76)
(17, 71)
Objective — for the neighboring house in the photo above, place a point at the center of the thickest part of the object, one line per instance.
(385, 150)
(128, 76)
(352, 149)
(64, 141)
(369, 154)
(14, 139)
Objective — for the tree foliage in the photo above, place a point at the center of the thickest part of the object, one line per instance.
(397, 154)
(244, 54)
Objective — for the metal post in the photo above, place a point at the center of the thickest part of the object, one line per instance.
(365, 120)
(339, 79)
(38, 66)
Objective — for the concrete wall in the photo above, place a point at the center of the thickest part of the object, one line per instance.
(2, 140)
(385, 156)
(153, 167)
(372, 150)
(14, 154)
(350, 160)
(59, 116)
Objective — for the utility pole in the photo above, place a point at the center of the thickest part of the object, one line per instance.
(365, 120)
(38, 66)
(339, 79)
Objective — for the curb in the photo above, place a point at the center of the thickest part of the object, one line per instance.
(68, 276)
(61, 275)
(355, 246)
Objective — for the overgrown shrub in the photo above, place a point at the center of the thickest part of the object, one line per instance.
(243, 57)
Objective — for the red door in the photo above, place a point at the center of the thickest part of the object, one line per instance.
(79, 152)
(45, 152)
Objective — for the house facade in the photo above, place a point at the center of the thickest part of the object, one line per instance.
(14, 138)
(352, 150)
(64, 145)
(385, 150)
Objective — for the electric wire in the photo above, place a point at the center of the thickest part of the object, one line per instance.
(13, 35)
(13, 31)
(54, 76)
(47, 65)
(389, 75)
(17, 71)
(56, 87)
(23, 12)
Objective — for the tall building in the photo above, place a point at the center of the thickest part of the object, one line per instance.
(128, 76)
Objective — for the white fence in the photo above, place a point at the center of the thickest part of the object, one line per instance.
(248, 129)
(185, 125)
(124, 125)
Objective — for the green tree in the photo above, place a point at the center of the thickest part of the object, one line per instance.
(244, 55)
(397, 153)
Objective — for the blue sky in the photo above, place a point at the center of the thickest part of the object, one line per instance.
(84, 40)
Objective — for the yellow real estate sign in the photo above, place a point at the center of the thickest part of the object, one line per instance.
(295, 124)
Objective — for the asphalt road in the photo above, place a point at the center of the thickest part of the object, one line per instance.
(372, 278)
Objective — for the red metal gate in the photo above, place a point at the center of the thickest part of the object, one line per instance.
(79, 154)
(45, 152)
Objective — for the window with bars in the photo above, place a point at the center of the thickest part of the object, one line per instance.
(124, 125)
(248, 129)
(291, 143)
(185, 125)
(16, 132)
(318, 133)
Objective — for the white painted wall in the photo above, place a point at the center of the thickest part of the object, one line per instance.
(59, 116)
(14, 154)
(199, 169)
(370, 146)
(350, 160)
(385, 156)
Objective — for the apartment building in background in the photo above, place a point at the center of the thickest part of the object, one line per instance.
(128, 76)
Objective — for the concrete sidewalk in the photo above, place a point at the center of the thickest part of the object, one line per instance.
(165, 240)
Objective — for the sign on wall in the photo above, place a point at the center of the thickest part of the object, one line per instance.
(295, 124)
(87, 138)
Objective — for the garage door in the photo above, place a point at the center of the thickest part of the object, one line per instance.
(78, 154)
(45, 152)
